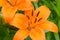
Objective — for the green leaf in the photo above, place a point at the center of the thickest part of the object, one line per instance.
(47, 4)
(48, 36)
(52, 6)
(28, 38)
(20, 11)
(35, 5)
(3, 32)
(56, 36)
(58, 4)
(59, 24)
(0, 9)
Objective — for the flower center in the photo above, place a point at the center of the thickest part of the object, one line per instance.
(28, 28)
(32, 24)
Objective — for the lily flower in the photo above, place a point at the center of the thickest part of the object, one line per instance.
(9, 7)
(33, 24)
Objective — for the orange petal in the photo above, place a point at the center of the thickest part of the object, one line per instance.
(25, 5)
(50, 26)
(8, 13)
(42, 13)
(2, 2)
(20, 35)
(15, 2)
(37, 34)
(20, 21)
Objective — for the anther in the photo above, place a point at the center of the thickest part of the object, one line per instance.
(35, 20)
(9, 3)
(39, 19)
(32, 12)
(37, 14)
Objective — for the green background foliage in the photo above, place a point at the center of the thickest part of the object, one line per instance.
(7, 31)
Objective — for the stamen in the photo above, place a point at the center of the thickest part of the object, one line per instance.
(9, 3)
(38, 14)
(35, 20)
(32, 12)
(39, 19)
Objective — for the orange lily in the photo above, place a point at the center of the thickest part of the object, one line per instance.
(33, 24)
(9, 7)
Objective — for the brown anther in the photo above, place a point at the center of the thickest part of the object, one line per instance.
(37, 14)
(39, 19)
(9, 3)
(32, 12)
(35, 20)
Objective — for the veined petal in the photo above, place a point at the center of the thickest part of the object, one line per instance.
(42, 13)
(50, 26)
(20, 35)
(20, 21)
(8, 13)
(37, 34)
